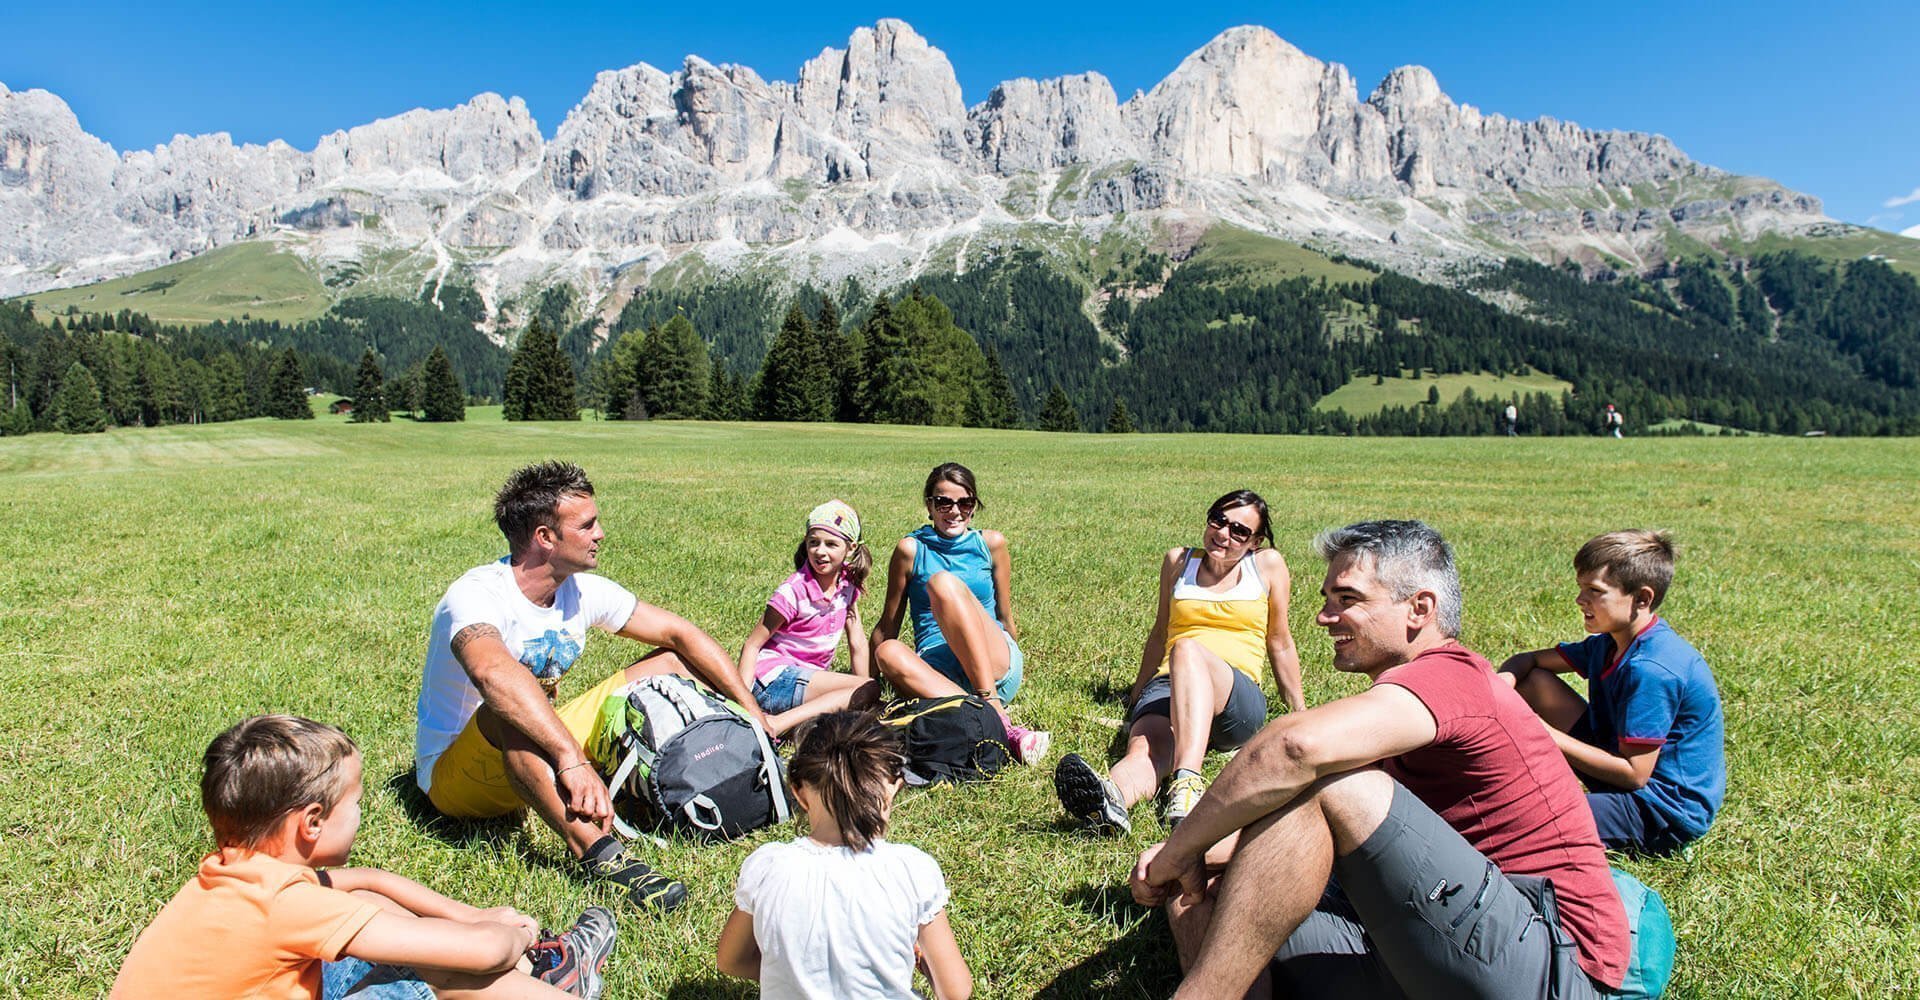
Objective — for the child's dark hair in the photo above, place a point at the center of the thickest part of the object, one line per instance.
(957, 474)
(859, 563)
(1634, 558)
(266, 767)
(849, 759)
(1246, 498)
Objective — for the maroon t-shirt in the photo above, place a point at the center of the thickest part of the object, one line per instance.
(1494, 774)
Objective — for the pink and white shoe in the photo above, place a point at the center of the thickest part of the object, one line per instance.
(1030, 746)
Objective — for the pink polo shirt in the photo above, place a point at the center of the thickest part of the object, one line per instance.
(813, 623)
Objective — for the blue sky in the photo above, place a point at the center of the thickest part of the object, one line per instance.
(1822, 97)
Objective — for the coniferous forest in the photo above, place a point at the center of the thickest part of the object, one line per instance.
(1779, 343)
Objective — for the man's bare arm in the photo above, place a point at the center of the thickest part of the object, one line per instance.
(510, 691)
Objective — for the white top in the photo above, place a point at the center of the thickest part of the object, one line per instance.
(832, 922)
(1247, 584)
(547, 640)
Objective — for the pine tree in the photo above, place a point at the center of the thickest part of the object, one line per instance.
(850, 377)
(16, 419)
(369, 392)
(992, 403)
(286, 395)
(1119, 421)
(826, 319)
(226, 388)
(442, 400)
(673, 372)
(76, 407)
(795, 382)
(1058, 414)
(540, 379)
(728, 397)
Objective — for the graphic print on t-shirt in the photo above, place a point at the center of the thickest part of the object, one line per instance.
(549, 655)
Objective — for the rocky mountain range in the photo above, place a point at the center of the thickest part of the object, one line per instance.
(871, 164)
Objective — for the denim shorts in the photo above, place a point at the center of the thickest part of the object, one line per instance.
(940, 657)
(1245, 713)
(362, 980)
(785, 692)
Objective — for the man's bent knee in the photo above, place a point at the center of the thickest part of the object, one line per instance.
(1355, 804)
(656, 663)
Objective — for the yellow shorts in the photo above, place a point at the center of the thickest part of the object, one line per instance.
(470, 779)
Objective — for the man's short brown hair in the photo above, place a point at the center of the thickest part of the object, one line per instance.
(1633, 558)
(266, 767)
(531, 498)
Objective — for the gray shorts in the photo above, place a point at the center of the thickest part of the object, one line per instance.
(1245, 713)
(1416, 912)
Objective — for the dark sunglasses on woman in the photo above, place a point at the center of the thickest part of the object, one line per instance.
(944, 504)
(1239, 532)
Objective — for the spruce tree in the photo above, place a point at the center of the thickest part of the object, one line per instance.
(442, 400)
(540, 379)
(370, 392)
(16, 420)
(826, 319)
(728, 397)
(1119, 421)
(795, 382)
(76, 407)
(286, 395)
(1058, 414)
(992, 403)
(673, 372)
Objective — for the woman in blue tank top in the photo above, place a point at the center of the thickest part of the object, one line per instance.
(954, 580)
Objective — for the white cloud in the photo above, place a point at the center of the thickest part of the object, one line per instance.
(1913, 232)
(1908, 200)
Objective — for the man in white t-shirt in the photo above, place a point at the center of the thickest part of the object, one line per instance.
(490, 739)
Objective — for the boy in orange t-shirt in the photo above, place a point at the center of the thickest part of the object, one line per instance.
(258, 919)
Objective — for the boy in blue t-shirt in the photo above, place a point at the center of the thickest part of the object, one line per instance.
(1649, 742)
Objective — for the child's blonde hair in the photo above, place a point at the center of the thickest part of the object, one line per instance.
(1633, 558)
(850, 758)
(266, 767)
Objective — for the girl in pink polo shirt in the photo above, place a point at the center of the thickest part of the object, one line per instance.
(788, 657)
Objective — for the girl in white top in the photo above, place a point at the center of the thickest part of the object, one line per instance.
(842, 913)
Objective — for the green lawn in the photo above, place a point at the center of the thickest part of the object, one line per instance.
(252, 279)
(1361, 396)
(163, 583)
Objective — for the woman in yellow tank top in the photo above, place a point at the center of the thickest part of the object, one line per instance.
(1222, 612)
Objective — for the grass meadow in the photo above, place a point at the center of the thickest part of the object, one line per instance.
(161, 584)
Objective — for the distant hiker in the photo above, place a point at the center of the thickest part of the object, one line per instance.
(1435, 800)
(268, 914)
(957, 582)
(1512, 414)
(490, 739)
(842, 913)
(1649, 736)
(1614, 420)
(1222, 615)
(788, 657)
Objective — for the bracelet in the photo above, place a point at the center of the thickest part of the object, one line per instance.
(569, 767)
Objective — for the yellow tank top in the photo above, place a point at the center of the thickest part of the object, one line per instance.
(1231, 624)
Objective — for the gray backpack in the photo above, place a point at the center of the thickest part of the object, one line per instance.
(697, 763)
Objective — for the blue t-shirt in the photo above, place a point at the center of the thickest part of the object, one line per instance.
(966, 557)
(1659, 693)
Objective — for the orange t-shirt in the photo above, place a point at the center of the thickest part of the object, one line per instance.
(252, 926)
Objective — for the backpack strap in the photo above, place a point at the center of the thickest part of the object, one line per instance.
(702, 813)
(770, 770)
(619, 781)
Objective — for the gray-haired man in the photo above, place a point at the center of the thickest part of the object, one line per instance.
(1372, 846)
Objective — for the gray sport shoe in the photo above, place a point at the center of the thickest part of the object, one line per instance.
(572, 961)
(1090, 798)
(1183, 793)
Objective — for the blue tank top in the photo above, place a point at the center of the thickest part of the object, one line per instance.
(966, 557)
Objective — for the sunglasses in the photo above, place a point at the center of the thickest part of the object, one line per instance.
(1239, 532)
(944, 504)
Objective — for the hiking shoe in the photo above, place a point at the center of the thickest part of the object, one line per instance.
(1183, 793)
(1029, 745)
(572, 961)
(1090, 798)
(645, 887)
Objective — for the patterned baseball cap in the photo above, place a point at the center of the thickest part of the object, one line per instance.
(837, 517)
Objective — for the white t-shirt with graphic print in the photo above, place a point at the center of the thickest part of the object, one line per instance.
(547, 640)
